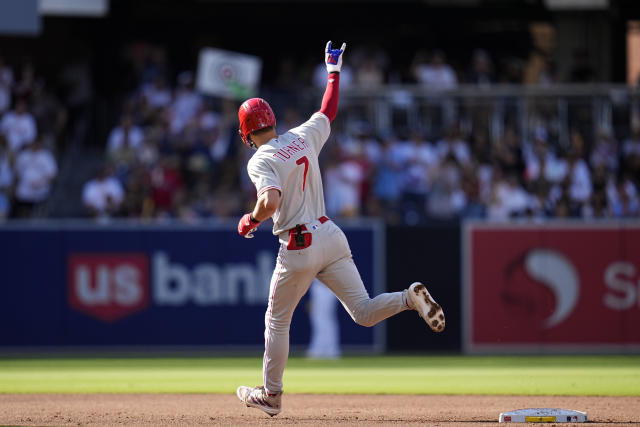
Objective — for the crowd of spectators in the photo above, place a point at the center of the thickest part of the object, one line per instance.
(32, 120)
(436, 71)
(408, 179)
(174, 154)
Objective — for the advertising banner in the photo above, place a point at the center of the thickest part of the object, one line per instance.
(552, 287)
(155, 285)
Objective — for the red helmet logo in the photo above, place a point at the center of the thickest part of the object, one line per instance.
(254, 114)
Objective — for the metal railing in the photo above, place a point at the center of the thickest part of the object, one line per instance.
(560, 109)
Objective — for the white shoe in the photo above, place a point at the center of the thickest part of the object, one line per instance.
(257, 397)
(421, 301)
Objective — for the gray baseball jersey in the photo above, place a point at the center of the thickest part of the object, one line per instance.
(289, 164)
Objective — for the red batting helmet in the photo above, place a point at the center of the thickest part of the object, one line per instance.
(254, 114)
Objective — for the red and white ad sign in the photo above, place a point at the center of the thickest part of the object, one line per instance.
(108, 286)
(551, 287)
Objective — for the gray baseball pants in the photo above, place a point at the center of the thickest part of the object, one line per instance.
(328, 258)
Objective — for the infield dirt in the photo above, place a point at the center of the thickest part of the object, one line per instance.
(298, 409)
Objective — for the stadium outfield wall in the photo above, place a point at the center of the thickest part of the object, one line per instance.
(78, 284)
(561, 286)
(507, 288)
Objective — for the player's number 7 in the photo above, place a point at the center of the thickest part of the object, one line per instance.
(305, 161)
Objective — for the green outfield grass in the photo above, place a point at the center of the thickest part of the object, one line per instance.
(547, 375)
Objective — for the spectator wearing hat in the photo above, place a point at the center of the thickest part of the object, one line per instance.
(103, 195)
(481, 72)
(435, 74)
(186, 103)
(125, 134)
(36, 169)
(605, 150)
(19, 126)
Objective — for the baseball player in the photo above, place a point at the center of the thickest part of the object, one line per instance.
(325, 326)
(286, 174)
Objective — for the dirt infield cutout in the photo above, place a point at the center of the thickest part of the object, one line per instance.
(298, 409)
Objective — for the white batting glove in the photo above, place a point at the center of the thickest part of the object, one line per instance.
(333, 57)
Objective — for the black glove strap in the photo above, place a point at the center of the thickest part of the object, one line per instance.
(252, 219)
(334, 72)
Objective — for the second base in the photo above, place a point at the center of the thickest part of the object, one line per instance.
(543, 415)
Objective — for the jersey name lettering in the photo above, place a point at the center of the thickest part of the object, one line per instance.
(287, 151)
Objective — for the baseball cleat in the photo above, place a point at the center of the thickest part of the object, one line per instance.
(257, 397)
(426, 306)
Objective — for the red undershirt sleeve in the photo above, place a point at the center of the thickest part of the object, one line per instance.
(330, 99)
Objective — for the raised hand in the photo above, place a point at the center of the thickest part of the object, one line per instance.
(333, 57)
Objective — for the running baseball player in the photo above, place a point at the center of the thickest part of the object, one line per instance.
(286, 174)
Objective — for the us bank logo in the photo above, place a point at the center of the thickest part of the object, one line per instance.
(542, 284)
(112, 286)
(108, 286)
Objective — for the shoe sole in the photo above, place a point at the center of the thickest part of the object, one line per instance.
(269, 411)
(426, 306)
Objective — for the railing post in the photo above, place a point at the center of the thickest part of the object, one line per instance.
(523, 113)
(563, 120)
